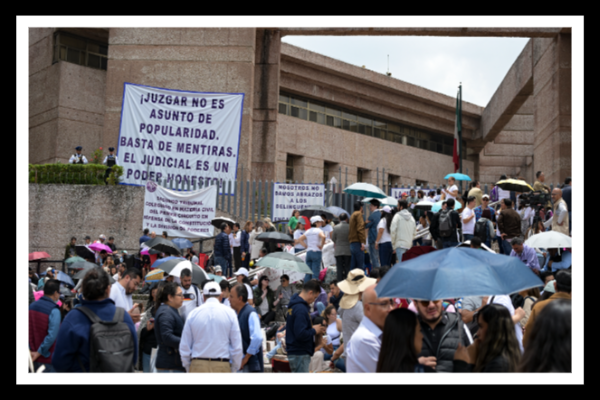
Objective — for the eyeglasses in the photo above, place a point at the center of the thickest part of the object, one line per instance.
(425, 303)
(390, 302)
(179, 295)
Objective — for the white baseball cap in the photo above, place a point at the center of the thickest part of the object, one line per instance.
(315, 218)
(211, 289)
(242, 271)
(387, 209)
(102, 237)
(218, 268)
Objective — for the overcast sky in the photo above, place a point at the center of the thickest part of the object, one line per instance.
(436, 63)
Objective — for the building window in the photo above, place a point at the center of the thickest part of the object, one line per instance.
(325, 173)
(289, 169)
(79, 50)
(359, 175)
(420, 183)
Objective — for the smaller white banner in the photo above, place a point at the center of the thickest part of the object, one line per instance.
(397, 192)
(180, 214)
(288, 197)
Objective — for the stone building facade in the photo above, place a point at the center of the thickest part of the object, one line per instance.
(76, 86)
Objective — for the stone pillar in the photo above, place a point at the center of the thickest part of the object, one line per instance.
(552, 97)
(266, 101)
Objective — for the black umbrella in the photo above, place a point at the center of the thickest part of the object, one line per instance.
(316, 210)
(163, 245)
(275, 237)
(82, 265)
(216, 222)
(83, 252)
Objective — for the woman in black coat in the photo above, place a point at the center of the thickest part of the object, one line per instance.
(168, 328)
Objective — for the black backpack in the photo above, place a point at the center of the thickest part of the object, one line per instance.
(445, 224)
(481, 229)
(111, 343)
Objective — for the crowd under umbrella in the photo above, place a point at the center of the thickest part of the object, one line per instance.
(183, 243)
(198, 274)
(514, 185)
(275, 237)
(458, 176)
(38, 255)
(218, 221)
(162, 245)
(311, 211)
(284, 261)
(362, 189)
(457, 272)
(84, 252)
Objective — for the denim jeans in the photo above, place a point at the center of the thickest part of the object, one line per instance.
(320, 307)
(399, 252)
(358, 257)
(499, 240)
(342, 264)
(418, 241)
(374, 255)
(146, 362)
(467, 236)
(448, 244)
(506, 247)
(385, 253)
(299, 363)
(339, 363)
(272, 353)
(313, 260)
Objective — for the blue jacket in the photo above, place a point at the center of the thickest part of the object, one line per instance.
(371, 225)
(221, 247)
(244, 242)
(168, 326)
(299, 334)
(74, 336)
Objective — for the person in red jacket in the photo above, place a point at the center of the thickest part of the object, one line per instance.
(44, 322)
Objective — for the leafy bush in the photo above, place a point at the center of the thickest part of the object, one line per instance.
(74, 174)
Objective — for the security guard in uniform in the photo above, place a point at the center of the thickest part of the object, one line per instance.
(109, 161)
(78, 158)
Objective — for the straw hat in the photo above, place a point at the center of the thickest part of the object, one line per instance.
(348, 301)
(356, 282)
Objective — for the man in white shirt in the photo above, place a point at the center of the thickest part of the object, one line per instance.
(122, 292)
(211, 340)
(452, 191)
(191, 294)
(362, 352)
(468, 219)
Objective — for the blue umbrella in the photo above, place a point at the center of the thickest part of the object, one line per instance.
(216, 278)
(337, 211)
(457, 272)
(62, 277)
(157, 263)
(458, 177)
(183, 243)
(438, 206)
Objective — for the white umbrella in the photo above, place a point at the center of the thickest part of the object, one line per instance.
(179, 267)
(549, 240)
(388, 201)
(365, 190)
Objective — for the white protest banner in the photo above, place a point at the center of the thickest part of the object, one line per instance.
(397, 192)
(288, 197)
(180, 214)
(179, 135)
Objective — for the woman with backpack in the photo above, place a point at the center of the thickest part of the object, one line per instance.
(484, 228)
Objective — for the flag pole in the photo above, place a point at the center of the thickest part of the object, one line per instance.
(459, 122)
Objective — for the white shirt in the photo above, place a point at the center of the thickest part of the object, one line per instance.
(437, 197)
(327, 229)
(117, 294)
(235, 240)
(313, 239)
(468, 227)
(385, 237)
(75, 156)
(362, 351)
(449, 190)
(506, 302)
(249, 289)
(211, 331)
(189, 305)
(561, 211)
(297, 235)
(420, 228)
(115, 277)
(503, 194)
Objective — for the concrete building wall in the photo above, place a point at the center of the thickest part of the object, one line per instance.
(321, 143)
(66, 103)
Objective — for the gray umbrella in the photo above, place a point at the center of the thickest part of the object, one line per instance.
(82, 265)
(163, 245)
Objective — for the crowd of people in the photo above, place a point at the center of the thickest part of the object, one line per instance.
(338, 324)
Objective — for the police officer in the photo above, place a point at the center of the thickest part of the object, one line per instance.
(78, 158)
(109, 161)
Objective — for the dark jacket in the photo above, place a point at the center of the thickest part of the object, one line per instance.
(566, 195)
(244, 243)
(221, 248)
(73, 340)
(271, 246)
(498, 364)
(339, 236)
(434, 228)
(299, 334)
(168, 326)
(448, 342)
(258, 298)
(509, 222)
(39, 318)
(255, 362)
(336, 300)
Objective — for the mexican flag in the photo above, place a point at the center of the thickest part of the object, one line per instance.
(457, 131)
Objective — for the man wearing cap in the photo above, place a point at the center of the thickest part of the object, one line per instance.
(214, 346)
(313, 240)
(101, 239)
(78, 158)
(342, 252)
(485, 201)
(357, 237)
(242, 277)
(351, 307)
(371, 227)
(362, 351)
(110, 160)
(218, 270)
(44, 323)
(249, 328)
